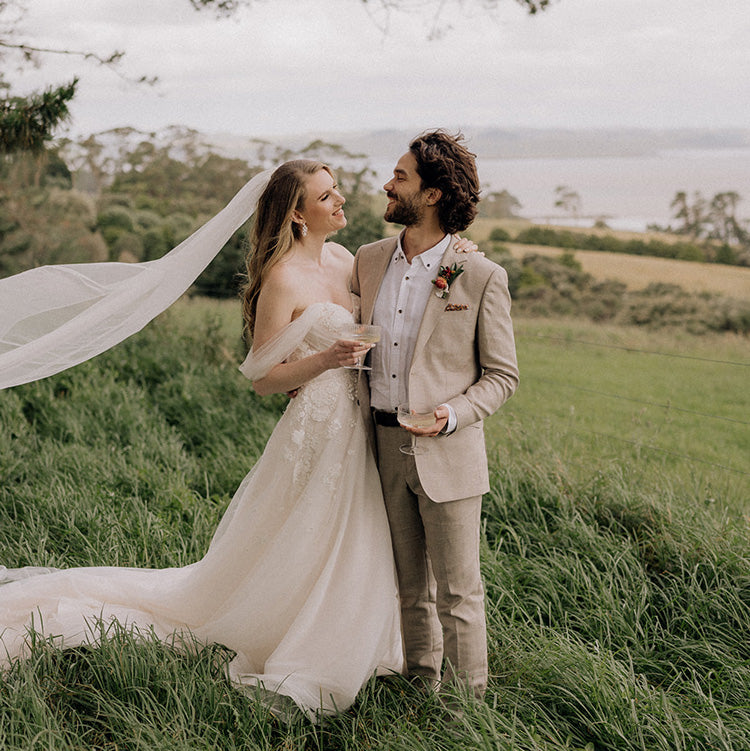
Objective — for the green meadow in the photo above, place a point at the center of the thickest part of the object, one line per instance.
(615, 553)
(667, 408)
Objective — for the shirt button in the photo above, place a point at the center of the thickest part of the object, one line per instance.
(393, 375)
(407, 278)
(400, 311)
(395, 344)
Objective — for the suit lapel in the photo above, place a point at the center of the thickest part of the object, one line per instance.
(435, 306)
(371, 275)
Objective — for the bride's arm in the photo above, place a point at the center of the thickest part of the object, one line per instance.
(287, 377)
(276, 308)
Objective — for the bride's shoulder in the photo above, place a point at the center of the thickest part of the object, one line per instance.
(281, 277)
(338, 250)
(340, 254)
(280, 291)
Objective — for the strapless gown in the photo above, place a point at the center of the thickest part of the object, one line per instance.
(299, 578)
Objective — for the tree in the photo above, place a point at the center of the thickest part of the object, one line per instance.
(197, 183)
(27, 124)
(723, 215)
(715, 219)
(500, 205)
(43, 221)
(692, 216)
(381, 11)
(568, 200)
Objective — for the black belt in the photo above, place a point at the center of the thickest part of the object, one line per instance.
(387, 419)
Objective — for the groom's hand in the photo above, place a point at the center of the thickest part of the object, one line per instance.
(441, 420)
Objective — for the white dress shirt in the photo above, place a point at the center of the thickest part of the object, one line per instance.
(398, 310)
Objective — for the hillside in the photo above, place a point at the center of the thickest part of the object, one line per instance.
(637, 272)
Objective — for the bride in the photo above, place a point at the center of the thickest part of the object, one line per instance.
(298, 580)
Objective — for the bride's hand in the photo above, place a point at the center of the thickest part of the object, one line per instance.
(345, 352)
(464, 245)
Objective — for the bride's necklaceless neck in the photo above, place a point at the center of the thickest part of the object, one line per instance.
(310, 250)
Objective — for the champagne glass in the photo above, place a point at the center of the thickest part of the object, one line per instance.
(408, 416)
(360, 332)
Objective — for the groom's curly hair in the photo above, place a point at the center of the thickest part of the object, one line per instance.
(444, 163)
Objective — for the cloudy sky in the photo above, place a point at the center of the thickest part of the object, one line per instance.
(291, 66)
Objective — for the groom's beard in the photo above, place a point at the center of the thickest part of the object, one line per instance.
(406, 211)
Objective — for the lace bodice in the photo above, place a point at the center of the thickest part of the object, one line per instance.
(313, 331)
(329, 319)
(317, 398)
(325, 407)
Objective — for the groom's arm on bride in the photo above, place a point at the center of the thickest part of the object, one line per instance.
(354, 284)
(278, 305)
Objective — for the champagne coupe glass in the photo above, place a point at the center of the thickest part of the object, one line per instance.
(414, 415)
(360, 332)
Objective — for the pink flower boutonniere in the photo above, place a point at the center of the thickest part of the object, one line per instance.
(446, 276)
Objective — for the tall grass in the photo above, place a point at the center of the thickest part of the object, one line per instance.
(618, 613)
(131, 456)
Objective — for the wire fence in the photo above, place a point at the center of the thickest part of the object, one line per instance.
(568, 340)
(729, 425)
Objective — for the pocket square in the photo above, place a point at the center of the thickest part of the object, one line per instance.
(452, 306)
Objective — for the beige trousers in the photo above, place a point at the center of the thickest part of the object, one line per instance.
(436, 547)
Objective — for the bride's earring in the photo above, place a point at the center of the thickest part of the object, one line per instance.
(302, 228)
(299, 220)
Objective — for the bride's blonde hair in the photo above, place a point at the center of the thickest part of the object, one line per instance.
(274, 231)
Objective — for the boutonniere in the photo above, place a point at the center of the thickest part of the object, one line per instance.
(446, 276)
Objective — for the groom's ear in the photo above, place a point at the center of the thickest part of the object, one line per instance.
(433, 196)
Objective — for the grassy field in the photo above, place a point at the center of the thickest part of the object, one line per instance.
(668, 409)
(615, 552)
(637, 272)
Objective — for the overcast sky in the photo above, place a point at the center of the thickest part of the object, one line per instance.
(291, 66)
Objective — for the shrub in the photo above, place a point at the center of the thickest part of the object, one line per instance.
(113, 222)
(663, 305)
(547, 236)
(513, 268)
(127, 248)
(499, 235)
(155, 244)
(546, 286)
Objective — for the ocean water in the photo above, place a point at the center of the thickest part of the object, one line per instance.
(629, 193)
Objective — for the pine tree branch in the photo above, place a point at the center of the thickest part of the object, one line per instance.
(27, 123)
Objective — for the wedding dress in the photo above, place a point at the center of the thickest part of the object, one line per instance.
(299, 578)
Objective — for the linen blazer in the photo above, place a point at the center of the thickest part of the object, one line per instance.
(464, 356)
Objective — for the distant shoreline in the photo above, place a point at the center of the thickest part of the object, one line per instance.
(626, 192)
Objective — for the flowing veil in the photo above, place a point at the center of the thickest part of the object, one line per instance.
(54, 317)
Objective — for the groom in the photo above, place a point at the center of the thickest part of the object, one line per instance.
(448, 339)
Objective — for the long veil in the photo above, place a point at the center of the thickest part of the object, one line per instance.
(54, 317)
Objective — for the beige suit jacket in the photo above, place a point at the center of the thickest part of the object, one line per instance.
(464, 356)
